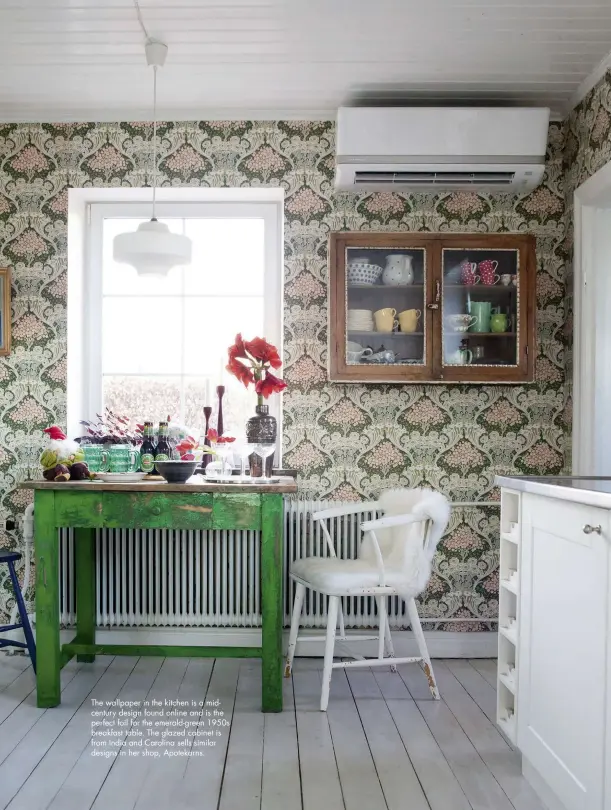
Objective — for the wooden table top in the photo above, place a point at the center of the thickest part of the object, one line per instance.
(284, 486)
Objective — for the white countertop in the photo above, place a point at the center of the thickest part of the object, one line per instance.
(579, 489)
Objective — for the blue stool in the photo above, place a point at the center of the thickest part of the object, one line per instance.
(10, 558)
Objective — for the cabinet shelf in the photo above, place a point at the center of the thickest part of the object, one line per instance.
(481, 287)
(512, 587)
(508, 727)
(510, 633)
(385, 286)
(385, 334)
(510, 538)
(508, 683)
(480, 334)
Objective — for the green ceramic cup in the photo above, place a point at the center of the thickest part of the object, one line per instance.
(123, 459)
(96, 457)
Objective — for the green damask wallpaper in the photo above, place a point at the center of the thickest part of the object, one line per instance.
(347, 441)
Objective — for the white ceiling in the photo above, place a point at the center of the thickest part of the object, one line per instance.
(84, 60)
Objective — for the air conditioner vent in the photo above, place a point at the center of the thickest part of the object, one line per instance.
(428, 178)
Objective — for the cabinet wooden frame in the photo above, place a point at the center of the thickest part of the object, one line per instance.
(5, 311)
(432, 370)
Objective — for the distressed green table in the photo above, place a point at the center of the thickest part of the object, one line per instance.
(87, 506)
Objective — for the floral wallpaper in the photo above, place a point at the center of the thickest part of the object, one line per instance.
(347, 441)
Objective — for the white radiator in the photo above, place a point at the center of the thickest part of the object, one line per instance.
(160, 578)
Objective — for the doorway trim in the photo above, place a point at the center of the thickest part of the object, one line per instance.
(590, 335)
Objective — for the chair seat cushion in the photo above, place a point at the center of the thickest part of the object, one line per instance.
(336, 576)
(9, 556)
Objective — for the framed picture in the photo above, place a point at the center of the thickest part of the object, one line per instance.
(5, 311)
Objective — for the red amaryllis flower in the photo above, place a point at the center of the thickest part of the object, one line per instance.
(212, 435)
(270, 385)
(264, 352)
(239, 370)
(225, 439)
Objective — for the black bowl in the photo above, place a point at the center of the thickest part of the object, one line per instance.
(176, 472)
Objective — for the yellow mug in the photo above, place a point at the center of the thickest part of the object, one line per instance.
(385, 319)
(408, 320)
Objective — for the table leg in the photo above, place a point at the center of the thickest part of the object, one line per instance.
(84, 550)
(271, 601)
(47, 600)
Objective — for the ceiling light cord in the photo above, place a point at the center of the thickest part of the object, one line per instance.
(140, 20)
(154, 138)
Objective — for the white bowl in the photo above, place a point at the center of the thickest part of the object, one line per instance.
(353, 346)
(362, 273)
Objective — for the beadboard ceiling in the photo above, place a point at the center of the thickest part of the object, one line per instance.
(64, 60)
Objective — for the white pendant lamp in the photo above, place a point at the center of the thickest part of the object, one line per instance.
(152, 250)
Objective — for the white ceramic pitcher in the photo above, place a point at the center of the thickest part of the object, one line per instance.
(398, 270)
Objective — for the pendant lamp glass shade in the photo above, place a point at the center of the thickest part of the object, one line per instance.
(152, 249)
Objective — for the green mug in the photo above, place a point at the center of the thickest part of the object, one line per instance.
(498, 322)
(96, 457)
(123, 459)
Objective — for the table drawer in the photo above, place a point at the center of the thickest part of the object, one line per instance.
(157, 510)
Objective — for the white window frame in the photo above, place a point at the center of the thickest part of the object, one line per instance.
(92, 284)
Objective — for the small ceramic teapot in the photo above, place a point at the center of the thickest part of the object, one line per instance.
(383, 356)
(398, 270)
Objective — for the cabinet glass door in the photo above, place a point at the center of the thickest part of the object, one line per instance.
(385, 296)
(480, 299)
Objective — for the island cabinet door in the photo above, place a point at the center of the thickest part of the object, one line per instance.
(564, 610)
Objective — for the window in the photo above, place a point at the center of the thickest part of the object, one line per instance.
(158, 346)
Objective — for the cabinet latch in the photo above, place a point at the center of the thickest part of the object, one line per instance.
(437, 297)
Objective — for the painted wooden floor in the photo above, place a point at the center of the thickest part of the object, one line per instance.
(383, 745)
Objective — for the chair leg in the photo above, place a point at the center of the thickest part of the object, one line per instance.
(329, 647)
(382, 629)
(389, 650)
(27, 629)
(412, 611)
(294, 632)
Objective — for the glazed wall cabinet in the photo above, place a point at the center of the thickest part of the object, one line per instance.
(432, 308)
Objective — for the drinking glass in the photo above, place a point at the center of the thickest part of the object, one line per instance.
(264, 450)
(224, 451)
(245, 451)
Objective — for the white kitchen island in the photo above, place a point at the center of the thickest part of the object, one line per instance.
(554, 669)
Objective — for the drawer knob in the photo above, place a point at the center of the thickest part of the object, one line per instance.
(156, 510)
(587, 529)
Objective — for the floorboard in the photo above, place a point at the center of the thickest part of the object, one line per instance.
(475, 684)
(383, 744)
(241, 789)
(503, 763)
(203, 777)
(486, 668)
(24, 758)
(89, 773)
(319, 776)
(393, 765)
(121, 788)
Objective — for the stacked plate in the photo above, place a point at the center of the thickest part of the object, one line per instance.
(360, 320)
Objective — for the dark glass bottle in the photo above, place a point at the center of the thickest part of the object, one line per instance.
(163, 451)
(147, 450)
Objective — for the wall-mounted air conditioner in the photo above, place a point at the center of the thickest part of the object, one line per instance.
(492, 149)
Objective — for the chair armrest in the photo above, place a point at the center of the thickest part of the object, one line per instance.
(340, 511)
(389, 522)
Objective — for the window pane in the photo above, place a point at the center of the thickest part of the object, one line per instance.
(141, 398)
(227, 257)
(238, 404)
(141, 337)
(121, 279)
(210, 328)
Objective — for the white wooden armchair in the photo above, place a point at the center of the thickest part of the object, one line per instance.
(375, 576)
